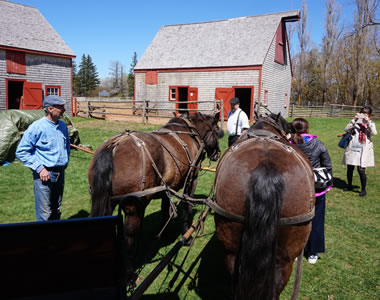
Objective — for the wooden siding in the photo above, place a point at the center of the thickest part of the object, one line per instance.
(276, 79)
(206, 82)
(49, 70)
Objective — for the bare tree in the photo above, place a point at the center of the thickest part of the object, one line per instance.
(115, 75)
(329, 42)
(359, 42)
(304, 41)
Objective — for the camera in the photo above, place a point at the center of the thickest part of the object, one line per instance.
(361, 118)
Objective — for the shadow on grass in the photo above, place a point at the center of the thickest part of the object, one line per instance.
(149, 244)
(341, 184)
(214, 281)
(80, 214)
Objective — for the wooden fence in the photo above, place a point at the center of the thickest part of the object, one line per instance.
(331, 110)
(134, 110)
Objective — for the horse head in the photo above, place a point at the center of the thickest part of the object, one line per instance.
(208, 131)
(274, 123)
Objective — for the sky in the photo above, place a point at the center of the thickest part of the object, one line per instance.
(113, 30)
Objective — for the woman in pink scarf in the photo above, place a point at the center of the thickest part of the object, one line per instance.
(359, 151)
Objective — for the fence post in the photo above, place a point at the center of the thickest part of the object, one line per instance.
(222, 114)
(76, 107)
(331, 110)
(143, 112)
(292, 111)
(87, 109)
(147, 111)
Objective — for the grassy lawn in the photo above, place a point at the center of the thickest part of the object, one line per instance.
(350, 268)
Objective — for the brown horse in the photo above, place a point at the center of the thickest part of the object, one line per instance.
(269, 182)
(136, 161)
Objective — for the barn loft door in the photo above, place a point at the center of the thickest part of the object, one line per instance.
(32, 95)
(225, 94)
(193, 96)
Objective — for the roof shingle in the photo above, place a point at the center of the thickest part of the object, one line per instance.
(24, 27)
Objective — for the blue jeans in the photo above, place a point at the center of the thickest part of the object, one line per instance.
(48, 196)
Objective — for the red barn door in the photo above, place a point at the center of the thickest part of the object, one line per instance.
(32, 95)
(225, 95)
(193, 96)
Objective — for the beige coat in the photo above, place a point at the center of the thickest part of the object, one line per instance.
(366, 157)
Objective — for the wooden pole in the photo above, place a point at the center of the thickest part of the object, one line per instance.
(82, 149)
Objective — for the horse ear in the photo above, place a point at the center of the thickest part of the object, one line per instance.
(278, 117)
(174, 113)
(216, 117)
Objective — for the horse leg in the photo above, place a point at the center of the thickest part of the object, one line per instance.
(165, 209)
(187, 211)
(134, 214)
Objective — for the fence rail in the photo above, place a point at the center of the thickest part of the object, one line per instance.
(331, 110)
(144, 109)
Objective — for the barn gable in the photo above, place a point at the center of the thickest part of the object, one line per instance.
(34, 59)
(227, 43)
(24, 27)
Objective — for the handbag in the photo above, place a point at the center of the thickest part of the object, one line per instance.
(343, 143)
(322, 178)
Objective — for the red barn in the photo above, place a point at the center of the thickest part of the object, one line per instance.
(34, 60)
(244, 57)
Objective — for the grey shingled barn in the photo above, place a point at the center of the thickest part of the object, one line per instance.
(244, 57)
(34, 60)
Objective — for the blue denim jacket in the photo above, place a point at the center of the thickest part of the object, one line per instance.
(44, 144)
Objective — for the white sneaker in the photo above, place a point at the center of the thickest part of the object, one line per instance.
(312, 259)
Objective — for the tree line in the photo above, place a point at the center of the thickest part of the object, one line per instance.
(86, 80)
(346, 68)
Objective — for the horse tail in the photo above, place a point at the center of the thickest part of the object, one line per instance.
(254, 276)
(101, 184)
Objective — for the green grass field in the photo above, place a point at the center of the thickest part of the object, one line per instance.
(350, 268)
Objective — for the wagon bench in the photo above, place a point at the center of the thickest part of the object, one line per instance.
(63, 259)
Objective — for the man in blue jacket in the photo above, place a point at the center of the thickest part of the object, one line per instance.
(45, 149)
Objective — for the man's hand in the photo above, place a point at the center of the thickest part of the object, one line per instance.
(44, 175)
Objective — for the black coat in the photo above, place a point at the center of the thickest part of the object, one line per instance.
(317, 153)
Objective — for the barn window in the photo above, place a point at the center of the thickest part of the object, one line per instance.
(286, 100)
(279, 56)
(265, 102)
(151, 77)
(53, 90)
(16, 62)
(173, 94)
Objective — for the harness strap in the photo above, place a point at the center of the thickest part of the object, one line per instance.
(284, 221)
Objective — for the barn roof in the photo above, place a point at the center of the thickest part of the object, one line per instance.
(233, 42)
(24, 27)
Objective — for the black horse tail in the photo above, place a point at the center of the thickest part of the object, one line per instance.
(254, 276)
(101, 185)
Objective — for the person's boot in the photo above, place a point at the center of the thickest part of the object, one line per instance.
(350, 172)
(363, 181)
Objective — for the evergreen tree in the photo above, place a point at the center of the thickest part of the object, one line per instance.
(87, 77)
(75, 79)
(131, 76)
(93, 76)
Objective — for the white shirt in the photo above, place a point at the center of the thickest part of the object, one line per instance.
(233, 118)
